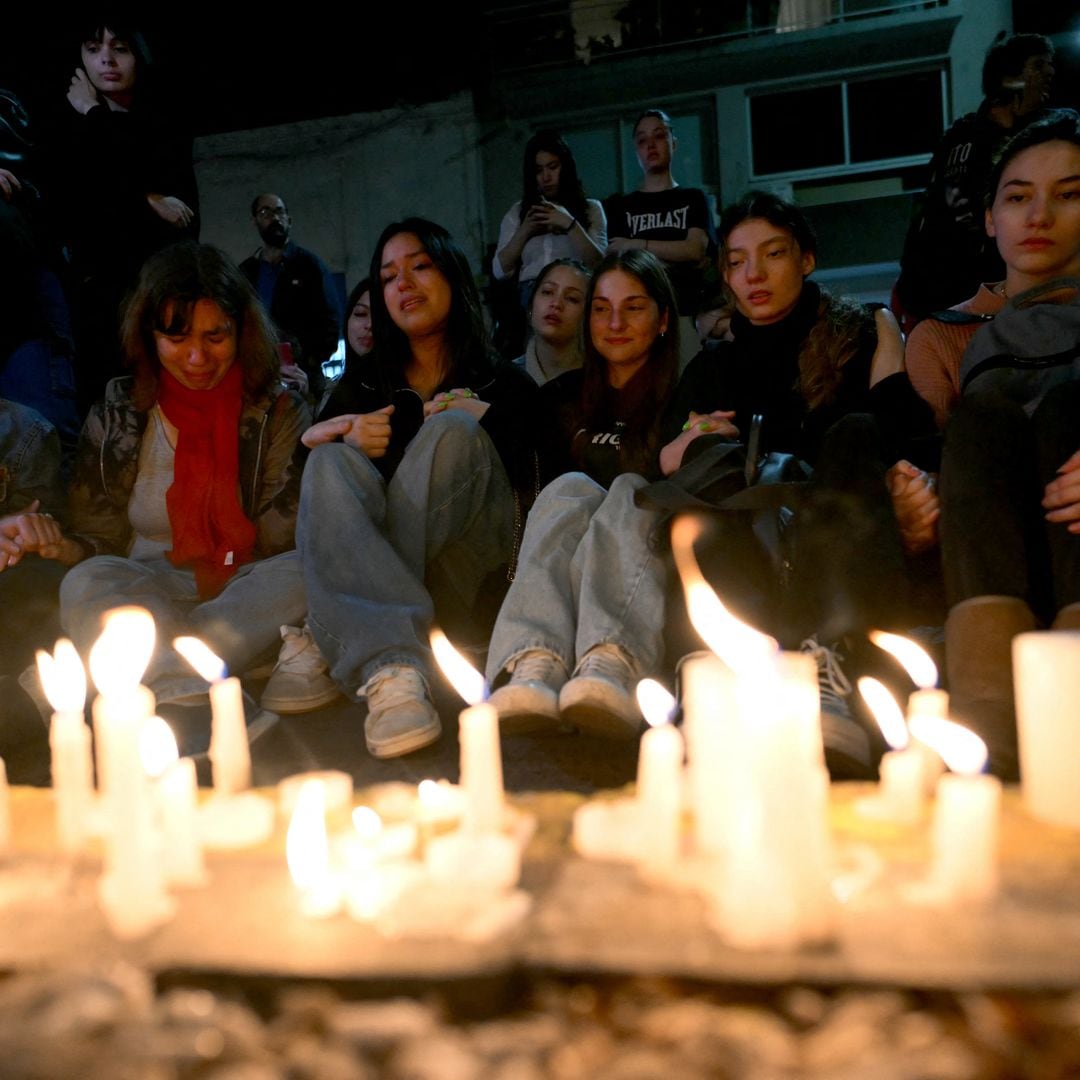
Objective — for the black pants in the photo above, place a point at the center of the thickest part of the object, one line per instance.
(995, 465)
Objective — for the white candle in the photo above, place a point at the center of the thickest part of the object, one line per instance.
(307, 850)
(659, 777)
(1047, 679)
(965, 836)
(230, 753)
(182, 848)
(63, 679)
(5, 808)
(932, 704)
(899, 796)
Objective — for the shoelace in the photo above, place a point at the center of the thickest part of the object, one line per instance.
(300, 653)
(537, 666)
(833, 685)
(606, 664)
(389, 689)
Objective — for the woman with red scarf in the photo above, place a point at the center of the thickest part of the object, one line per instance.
(185, 494)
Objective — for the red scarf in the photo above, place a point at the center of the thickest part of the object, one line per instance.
(209, 528)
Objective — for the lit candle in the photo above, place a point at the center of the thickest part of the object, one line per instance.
(64, 680)
(230, 754)
(307, 850)
(899, 797)
(966, 817)
(481, 757)
(659, 776)
(131, 889)
(1047, 675)
(177, 801)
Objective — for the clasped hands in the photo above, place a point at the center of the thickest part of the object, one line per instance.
(31, 530)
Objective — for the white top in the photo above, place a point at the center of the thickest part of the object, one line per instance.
(547, 247)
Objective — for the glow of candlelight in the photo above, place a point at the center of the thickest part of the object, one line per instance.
(959, 747)
(367, 823)
(205, 662)
(656, 704)
(914, 659)
(118, 659)
(63, 677)
(887, 713)
(157, 747)
(464, 678)
(307, 847)
(740, 646)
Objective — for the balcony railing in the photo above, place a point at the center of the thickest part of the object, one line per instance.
(529, 35)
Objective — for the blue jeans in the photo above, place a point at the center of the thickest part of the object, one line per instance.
(381, 558)
(586, 576)
(240, 624)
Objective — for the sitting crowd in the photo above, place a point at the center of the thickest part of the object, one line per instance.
(524, 504)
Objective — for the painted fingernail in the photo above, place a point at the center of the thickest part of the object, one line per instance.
(686, 426)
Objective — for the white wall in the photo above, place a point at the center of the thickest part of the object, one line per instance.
(345, 178)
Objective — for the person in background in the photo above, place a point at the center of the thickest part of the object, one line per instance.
(186, 488)
(556, 310)
(1010, 469)
(122, 181)
(675, 223)
(294, 286)
(946, 252)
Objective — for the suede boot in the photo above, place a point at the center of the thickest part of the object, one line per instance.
(1068, 618)
(978, 655)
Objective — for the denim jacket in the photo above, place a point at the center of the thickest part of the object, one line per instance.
(29, 461)
(107, 464)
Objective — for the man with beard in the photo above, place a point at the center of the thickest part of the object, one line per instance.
(293, 284)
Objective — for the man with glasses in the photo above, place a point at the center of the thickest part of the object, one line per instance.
(293, 283)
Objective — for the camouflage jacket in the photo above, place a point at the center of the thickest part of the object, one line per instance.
(107, 462)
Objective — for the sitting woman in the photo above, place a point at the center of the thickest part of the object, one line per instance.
(556, 310)
(826, 376)
(588, 595)
(185, 490)
(359, 341)
(423, 467)
(552, 220)
(1010, 477)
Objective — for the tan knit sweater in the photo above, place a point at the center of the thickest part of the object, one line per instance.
(934, 351)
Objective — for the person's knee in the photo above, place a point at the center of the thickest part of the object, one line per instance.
(334, 470)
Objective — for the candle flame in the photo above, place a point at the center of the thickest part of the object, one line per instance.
(960, 748)
(887, 713)
(465, 679)
(207, 663)
(307, 847)
(157, 746)
(740, 646)
(914, 659)
(63, 677)
(656, 704)
(367, 822)
(118, 658)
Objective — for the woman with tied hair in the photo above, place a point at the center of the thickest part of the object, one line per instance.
(185, 492)
(588, 596)
(123, 185)
(427, 461)
(552, 220)
(1010, 469)
(556, 310)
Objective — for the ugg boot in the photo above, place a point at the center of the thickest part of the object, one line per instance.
(978, 656)
(1068, 618)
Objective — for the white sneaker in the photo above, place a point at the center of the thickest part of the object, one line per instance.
(401, 717)
(530, 700)
(599, 699)
(301, 679)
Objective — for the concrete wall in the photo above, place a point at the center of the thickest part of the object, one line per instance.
(345, 178)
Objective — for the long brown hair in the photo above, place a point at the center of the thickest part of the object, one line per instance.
(648, 392)
(170, 283)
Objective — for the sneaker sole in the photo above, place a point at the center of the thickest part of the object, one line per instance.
(407, 742)
(592, 718)
(526, 710)
(292, 705)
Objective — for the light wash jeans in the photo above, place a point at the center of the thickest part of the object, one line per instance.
(380, 559)
(586, 576)
(240, 624)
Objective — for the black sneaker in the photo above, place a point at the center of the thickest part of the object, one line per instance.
(847, 746)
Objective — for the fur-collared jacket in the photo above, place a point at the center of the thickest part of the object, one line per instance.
(107, 463)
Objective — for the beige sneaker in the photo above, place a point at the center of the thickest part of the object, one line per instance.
(530, 700)
(599, 699)
(301, 679)
(401, 717)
